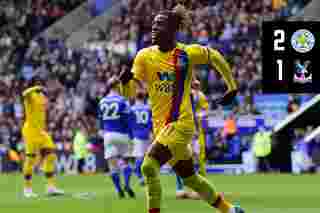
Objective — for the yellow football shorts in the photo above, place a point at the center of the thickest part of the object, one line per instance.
(36, 141)
(177, 141)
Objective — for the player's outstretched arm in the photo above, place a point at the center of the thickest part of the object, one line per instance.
(212, 57)
(218, 62)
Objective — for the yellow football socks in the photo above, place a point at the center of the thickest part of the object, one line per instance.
(49, 163)
(151, 171)
(49, 167)
(27, 181)
(221, 204)
(27, 170)
(206, 191)
(51, 181)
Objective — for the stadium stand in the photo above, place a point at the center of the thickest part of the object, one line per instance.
(22, 21)
(76, 19)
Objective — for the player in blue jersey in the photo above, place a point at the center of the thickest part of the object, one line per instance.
(141, 130)
(114, 112)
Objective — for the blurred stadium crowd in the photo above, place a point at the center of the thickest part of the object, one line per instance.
(77, 77)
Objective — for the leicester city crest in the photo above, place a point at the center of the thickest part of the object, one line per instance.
(302, 41)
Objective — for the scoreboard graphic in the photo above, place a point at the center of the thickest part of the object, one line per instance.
(291, 57)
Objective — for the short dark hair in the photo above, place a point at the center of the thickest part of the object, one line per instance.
(36, 81)
(179, 16)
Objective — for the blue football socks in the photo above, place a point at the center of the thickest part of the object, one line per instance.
(179, 183)
(138, 170)
(116, 181)
(127, 171)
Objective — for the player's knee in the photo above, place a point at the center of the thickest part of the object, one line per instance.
(113, 165)
(125, 162)
(51, 157)
(45, 152)
(184, 168)
(160, 152)
(149, 167)
(30, 159)
(191, 181)
(29, 162)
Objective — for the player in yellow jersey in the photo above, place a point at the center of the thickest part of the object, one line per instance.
(166, 69)
(37, 139)
(200, 108)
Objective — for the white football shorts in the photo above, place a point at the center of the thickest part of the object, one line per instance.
(139, 147)
(116, 145)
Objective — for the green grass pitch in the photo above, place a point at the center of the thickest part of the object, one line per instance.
(257, 194)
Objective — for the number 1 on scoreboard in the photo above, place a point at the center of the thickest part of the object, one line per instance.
(280, 69)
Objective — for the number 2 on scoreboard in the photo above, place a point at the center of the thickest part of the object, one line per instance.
(280, 38)
(280, 69)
